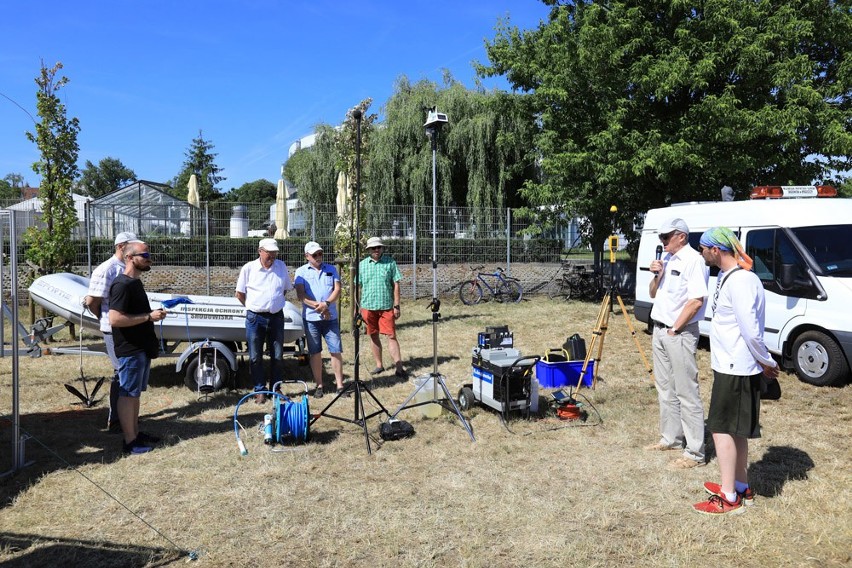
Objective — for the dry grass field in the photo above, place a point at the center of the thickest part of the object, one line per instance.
(546, 493)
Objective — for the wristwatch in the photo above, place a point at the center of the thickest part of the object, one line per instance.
(396, 307)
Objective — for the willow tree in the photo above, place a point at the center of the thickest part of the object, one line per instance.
(56, 137)
(484, 152)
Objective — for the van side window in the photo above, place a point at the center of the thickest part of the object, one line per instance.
(771, 248)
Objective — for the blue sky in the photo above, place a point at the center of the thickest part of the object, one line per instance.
(252, 75)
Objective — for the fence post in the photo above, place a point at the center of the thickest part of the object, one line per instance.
(414, 253)
(508, 241)
(207, 240)
(86, 210)
(313, 223)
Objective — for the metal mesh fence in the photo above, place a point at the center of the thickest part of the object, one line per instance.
(214, 240)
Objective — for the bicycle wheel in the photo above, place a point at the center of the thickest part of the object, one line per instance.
(509, 291)
(470, 293)
(558, 289)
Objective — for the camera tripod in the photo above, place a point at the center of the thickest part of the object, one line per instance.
(602, 322)
(356, 386)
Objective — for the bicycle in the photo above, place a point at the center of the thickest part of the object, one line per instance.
(505, 289)
(573, 281)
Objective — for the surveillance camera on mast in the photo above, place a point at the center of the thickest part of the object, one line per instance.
(435, 119)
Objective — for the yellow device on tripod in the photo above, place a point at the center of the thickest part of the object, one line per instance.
(602, 323)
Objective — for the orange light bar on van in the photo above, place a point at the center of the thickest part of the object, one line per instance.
(792, 191)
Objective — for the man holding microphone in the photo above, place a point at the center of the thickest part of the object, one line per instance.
(679, 289)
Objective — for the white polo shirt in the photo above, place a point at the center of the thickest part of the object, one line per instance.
(99, 285)
(685, 276)
(264, 288)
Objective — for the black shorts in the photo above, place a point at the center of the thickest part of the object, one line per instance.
(735, 405)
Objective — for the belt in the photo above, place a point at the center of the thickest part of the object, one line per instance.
(266, 314)
(660, 324)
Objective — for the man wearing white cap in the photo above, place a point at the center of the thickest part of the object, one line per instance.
(379, 276)
(261, 287)
(318, 288)
(97, 301)
(679, 289)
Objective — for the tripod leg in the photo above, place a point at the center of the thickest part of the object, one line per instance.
(604, 328)
(456, 410)
(361, 416)
(597, 339)
(648, 366)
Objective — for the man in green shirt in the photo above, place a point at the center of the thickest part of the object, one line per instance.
(379, 279)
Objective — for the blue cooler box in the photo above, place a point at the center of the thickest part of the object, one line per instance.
(558, 374)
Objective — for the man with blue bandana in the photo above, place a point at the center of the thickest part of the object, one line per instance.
(679, 289)
(738, 356)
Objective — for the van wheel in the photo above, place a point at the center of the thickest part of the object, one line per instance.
(819, 360)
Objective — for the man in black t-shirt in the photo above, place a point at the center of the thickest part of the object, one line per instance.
(132, 322)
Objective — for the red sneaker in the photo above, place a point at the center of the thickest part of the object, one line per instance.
(716, 489)
(716, 505)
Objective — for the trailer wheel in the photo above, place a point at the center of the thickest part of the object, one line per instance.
(221, 374)
(819, 360)
(465, 399)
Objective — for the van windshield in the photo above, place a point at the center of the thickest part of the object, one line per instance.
(831, 247)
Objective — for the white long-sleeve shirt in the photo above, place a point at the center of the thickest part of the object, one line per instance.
(736, 331)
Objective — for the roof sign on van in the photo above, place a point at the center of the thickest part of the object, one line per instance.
(792, 191)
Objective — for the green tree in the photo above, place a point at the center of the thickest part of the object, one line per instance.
(110, 174)
(56, 137)
(11, 186)
(200, 160)
(644, 103)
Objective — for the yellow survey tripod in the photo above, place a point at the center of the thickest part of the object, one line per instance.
(607, 307)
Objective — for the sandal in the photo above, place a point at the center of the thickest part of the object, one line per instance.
(377, 370)
(318, 392)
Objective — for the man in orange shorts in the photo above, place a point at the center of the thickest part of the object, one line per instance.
(379, 276)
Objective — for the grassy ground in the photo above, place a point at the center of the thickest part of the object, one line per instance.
(546, 493)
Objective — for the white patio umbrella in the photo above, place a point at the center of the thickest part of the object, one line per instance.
(281, 220)
(342, 199)
(192, 196)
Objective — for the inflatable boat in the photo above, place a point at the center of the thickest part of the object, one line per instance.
(190, 318)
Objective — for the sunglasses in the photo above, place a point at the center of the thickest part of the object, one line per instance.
(317, 254)
(378, 247)
(142, 254)
(666, 237)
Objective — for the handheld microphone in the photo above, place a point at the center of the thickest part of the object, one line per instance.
(659, 254)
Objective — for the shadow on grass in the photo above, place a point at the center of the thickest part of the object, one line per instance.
(778, 465)
(30, 551)
(77, 436)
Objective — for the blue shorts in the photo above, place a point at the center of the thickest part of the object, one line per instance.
(133, 372)
(316, 330)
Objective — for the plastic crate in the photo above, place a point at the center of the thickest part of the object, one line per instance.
(558, 374)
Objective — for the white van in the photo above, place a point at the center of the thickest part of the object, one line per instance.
(802, 251)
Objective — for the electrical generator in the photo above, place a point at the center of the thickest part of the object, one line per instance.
(502, 377)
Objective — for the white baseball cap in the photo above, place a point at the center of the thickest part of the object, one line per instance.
(269, 245)
(312, 247)
(125, 237)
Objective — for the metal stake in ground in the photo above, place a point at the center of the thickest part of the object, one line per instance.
(434, 121)
(356, 386)
(602, 323)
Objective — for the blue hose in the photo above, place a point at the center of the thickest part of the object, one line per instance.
(295, 416)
